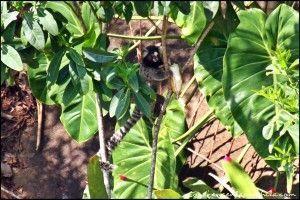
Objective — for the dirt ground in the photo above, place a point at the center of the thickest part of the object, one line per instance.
(58, 170)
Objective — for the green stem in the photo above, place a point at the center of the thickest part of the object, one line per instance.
(196, 127)
(192, 131)
(158, 37)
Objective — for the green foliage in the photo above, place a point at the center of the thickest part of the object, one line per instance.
(133, 157)
(63, 49)
(269, 42)
(240, 180)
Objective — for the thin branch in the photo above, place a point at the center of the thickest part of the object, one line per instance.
(154, 145)
(10, 193)
(187, 86)
(159, 118)
(158, 37)
(198, 45)
(203, 157)
(224, 184)
(102, 149)
(153, 23)
(147, 34)
(39, 127)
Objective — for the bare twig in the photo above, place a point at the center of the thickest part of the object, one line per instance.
(209, 27)
(10, 193)
(159, 118)
(154, 145)
(153, 23)
(39, 127)
(147, 34)
(102, 149)
(6, 116)
(187, 86)
(157, 37)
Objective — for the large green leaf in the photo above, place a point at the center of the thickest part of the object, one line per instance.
(175, 115)
(133, 156)
(208, 69)
(79, 117)
(143, 8)
(98, 55)
(53, 69)
(250, 50)
(192, 24)
(7, 18)
(73, 25)
(48, 22)
(11, 58)
(80, 78)
(95, 179)
(37, 76)
(33, 32)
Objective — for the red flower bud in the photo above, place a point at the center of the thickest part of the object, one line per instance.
(227, 158)
(123, 178)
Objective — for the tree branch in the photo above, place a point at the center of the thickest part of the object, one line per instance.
(209, 27)
(154, 145)
(102, 148)
(158, 37)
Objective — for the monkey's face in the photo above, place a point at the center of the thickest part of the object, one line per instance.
(152, 57)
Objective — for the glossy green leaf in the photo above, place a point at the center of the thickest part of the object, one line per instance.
(95, 179)
(240, 180)
(87, 15)
(69, 94)
(7, 18)
(54, 66)
(80, 79)
(142, 104)
(167, 194)
(175, 115)
(250, 51)
(98, 55)
(208, 69)
(143, 8)
(133, 158)
(11, 58)
(199, 186)
(33, 32)
(79, 117)
(128, 11)
(73, 25)
(133, 82)
(123, 105)
(47, 20)
(192, 24)
(115, 102)
(37, 76)
(9, 33)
